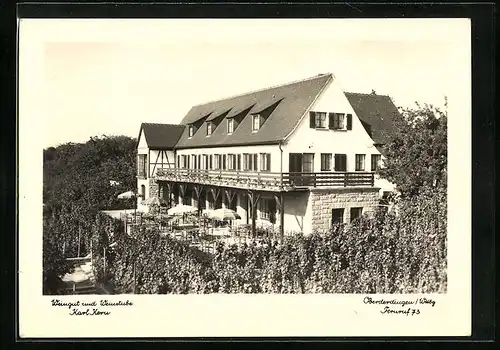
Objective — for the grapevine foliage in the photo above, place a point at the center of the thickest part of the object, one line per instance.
(389, 253)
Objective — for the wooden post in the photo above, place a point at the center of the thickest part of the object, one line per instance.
(254, 199)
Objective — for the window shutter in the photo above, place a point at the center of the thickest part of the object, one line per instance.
(239, 162)
(268, 162)
(330, 120)
(349, 122)
(312, 120)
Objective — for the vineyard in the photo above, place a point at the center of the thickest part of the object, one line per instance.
(404, 253)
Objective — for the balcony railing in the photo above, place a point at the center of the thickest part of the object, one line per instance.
(267, 180)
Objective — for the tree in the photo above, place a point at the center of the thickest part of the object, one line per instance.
(76, 185)
(416, 152)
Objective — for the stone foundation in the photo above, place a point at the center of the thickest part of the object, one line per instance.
(324, 200)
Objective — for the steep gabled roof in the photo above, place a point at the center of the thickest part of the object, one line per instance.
(376, 113)
(294, 100)
(161, 136)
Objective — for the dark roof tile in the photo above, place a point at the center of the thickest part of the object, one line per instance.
(376, 113)
(294, 100)
(161, 136)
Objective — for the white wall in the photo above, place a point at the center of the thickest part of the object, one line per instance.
(142, 147)
(349, 142)
(297, 212)
(271, 149)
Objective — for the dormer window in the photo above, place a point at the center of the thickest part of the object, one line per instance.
(191, 131)
(230, 125)
(255, 122)
(209, 128)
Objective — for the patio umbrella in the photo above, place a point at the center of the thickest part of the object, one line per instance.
(127, 195)
(224, 214)
(182, 209)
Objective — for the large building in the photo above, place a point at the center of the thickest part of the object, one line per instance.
(299, 156)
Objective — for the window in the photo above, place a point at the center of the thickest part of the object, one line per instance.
(255, 122)
(360, 162)
(337, 216)
(356, 213)
(337, 121)
(224, 162)
(231, 161)
(205, 161)
(143, 192)
(376, 162)
(255, 162)
(326, 161)
(217, 161)
(308, 162)
(194, 161)
(238, 162)
(249, 161)
(178, 161)
(230, 125)
(265, 213)
(209, 128)
(340, 162)
(246, 161)
(211, 204)
(191, 131)
(142, 165)
(320, 120)
(265, 162)
(211, 163)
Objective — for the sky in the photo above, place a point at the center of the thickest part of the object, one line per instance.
(108, 77)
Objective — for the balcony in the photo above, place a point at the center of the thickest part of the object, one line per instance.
(266, 180)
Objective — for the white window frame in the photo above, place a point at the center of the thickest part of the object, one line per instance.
(329, 157)
(325, 120)
(378, 162)
(265, 211)
(362, 163)
(191, 131)
(255, 117)
(230, 126)
(210, 128)
(265, 162)
(337, 119)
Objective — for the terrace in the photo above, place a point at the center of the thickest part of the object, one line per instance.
(270, 181)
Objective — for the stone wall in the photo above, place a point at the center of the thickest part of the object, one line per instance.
(153, 188)
(324, 200)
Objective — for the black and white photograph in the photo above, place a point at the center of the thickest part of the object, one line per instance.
(246, 158)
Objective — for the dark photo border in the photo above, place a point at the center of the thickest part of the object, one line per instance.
(483, 134)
